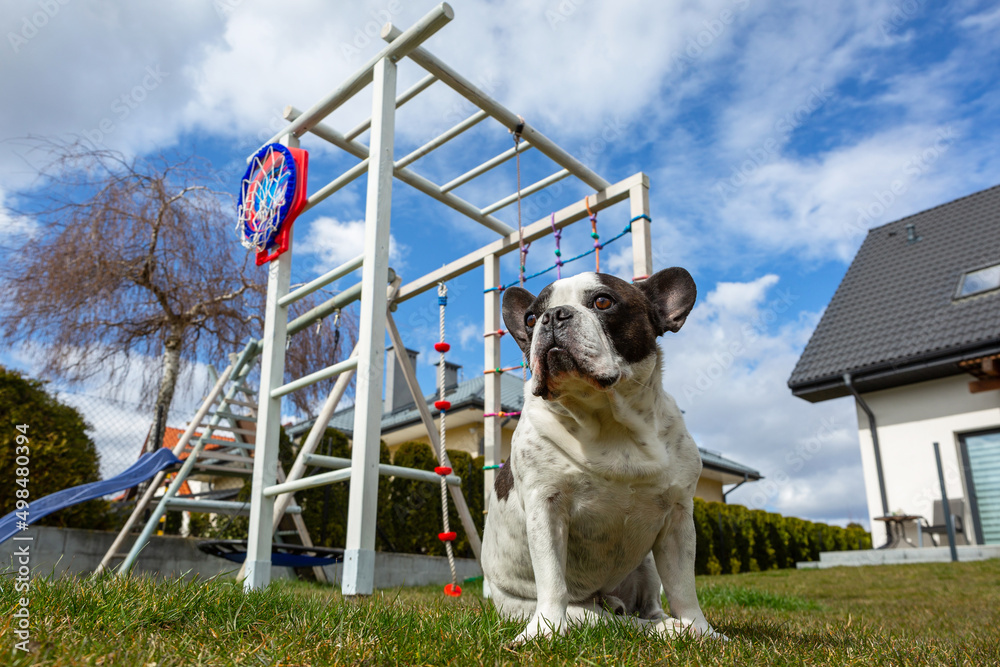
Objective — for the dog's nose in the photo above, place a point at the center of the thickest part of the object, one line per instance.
(560, 313)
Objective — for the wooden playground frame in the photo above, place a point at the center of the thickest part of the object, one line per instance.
(380, 289)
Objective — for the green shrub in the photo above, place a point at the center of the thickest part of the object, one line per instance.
(733, 539)
(61, 455)
(414, 507)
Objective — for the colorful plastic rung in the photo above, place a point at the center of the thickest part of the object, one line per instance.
(443, 406)
(448, 537)
(441, 347)
(503, 370)
(454, 590)
(498, 332)
(442, 470)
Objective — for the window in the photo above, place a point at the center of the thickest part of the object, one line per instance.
(979, 280)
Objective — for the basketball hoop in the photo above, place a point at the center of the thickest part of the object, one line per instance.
(272, 194)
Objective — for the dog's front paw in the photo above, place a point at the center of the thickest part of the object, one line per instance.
(673, 627)
(541, 625)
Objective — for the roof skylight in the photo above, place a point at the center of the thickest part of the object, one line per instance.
(979, 280)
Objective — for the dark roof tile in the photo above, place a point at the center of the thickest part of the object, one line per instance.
(896, 303)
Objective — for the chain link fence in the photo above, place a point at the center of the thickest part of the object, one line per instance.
(120, 429)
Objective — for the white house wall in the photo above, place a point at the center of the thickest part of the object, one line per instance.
(910, 419)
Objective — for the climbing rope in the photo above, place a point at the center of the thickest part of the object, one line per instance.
(557, 234)
(521, 245)
(444, 467)
(593, 234)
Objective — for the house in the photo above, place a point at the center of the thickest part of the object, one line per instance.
(913, 333)
(401, 422)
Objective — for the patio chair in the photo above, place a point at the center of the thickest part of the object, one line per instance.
(939, 527)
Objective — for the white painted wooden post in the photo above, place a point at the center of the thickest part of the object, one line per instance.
(642, 248)
(359, 555)
(257, 566)
(492, 438)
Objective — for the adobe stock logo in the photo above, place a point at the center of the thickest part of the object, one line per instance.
(33, 23)
(364, 35)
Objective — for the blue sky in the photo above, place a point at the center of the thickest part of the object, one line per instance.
(775, 134)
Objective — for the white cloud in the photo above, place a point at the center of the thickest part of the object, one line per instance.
(728, 369)
(470, 335)
(106, 72)
(986, 20)
(820, 206)
(740, 299)
(19, 227)
(571, 68)
(336, 242)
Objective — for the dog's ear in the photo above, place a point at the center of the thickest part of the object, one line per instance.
(672, 293)
(516, 301)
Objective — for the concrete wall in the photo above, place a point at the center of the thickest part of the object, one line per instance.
(59, 551)
(394, 570)
(910, 419)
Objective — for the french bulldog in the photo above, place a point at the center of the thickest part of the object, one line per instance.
(592, 511)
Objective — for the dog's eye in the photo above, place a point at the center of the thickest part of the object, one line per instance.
(529, 320)
(603, 303)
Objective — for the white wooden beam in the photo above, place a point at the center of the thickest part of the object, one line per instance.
(359, 552)
(410, 93)
(257, 566)
(526, 191)
(429, 24)
(642, 245)
(492, 431)
(507, 118)
(406, 175)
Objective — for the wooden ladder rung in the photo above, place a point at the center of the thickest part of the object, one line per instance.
(220, 456)
(230, 470)
(245, 404)
(231, 429)
(228, 443)
(230, 415)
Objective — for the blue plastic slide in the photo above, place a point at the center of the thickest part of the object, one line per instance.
(146, 467)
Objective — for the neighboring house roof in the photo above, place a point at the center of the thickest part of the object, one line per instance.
(719, 463)
(469, 394)
(896, 318)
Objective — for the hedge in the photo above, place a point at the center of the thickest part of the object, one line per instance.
(60, 453)
(733, 539)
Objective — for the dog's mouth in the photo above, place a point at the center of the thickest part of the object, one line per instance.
(554, 368)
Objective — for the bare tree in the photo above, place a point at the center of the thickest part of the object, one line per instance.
(137, 257)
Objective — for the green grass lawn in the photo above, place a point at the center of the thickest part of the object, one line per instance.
(900, 615)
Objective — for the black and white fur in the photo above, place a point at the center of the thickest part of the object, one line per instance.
(593, 509)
